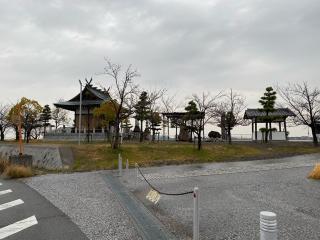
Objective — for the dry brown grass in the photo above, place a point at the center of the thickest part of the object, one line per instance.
(16, 171)
(315, 173)
(3, 165)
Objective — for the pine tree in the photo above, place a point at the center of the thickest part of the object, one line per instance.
(194, 120)
(45, 117)
(155, 122)
(268, 101)
(142, 111)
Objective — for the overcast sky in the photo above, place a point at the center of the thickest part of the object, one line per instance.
(185, 46)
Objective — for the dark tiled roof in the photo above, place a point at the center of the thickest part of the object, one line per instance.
(280, 112)
(97, 96)
(73, 105)
(177, 114)
(102, 94)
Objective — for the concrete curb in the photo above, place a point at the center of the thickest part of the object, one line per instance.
(148, 226)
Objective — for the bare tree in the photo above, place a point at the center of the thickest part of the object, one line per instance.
(122, 95)
(168, 105)
(4, 122)
(304, 101)
(59, 117)
(154, 118)
(205, 104)
(229, 113)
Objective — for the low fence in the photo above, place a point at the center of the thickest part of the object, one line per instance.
(268, 220)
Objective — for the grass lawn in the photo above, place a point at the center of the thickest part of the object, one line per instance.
(97, 156)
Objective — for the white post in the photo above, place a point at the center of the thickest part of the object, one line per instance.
(80, 112)
(120, 164)
(268, 226)
(196, 213)
(136, 165)
(127, 165)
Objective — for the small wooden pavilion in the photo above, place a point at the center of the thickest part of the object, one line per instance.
(280, 116)
(92, 97)
(177, 120)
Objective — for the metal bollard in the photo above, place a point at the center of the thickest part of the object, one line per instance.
(196, 213)
(136, 166)
(127, 165)
(268, 226)
(120, 164)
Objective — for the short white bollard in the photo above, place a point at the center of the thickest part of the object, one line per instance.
(120, 164)
(196, 213)
(268, 226)
(137, 173)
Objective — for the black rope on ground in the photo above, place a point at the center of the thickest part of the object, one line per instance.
(163, 193)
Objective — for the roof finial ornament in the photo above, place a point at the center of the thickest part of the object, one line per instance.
(88, 82)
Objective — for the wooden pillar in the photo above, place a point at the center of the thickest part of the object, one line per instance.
(168, 128)
(176, 131)
(285, 128)
(256, 129)
(252, 126)
(88, 124)
(163, 129)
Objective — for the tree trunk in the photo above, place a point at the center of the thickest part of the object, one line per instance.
(229, 135)
(314, 135)
(266, 136)
(17, 133)
(141, 132)
(28, 132)
(1, 134)
(199, 141)
(153, 134)
(116, 139)
(44, 130)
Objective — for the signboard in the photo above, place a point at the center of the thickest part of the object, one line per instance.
(153, 196)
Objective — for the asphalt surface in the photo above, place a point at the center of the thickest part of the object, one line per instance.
(231, 197)
(90, 203)
(51, 223)
(233, 194)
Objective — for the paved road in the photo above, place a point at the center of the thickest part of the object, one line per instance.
(25, 214)
(233, 194)
(90, 203)
(231, 197)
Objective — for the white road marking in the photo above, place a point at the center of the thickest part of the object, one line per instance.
(5, 192)
(0, 183)
(17, 227)
(10, 204)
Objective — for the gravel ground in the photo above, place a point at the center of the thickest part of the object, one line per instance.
(87, 200)
(233, 194)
